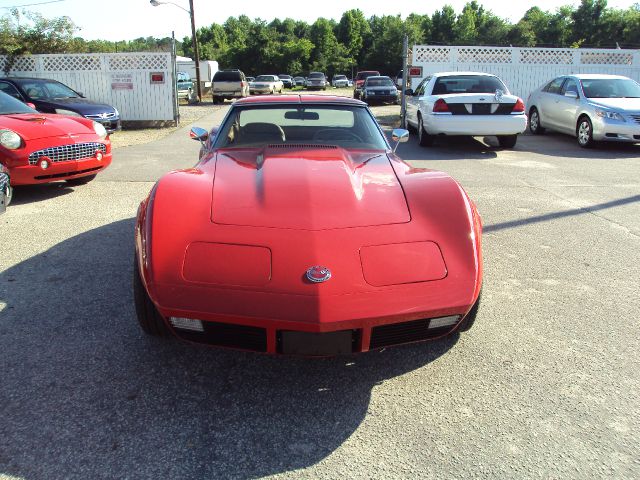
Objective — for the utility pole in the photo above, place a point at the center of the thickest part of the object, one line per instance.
(196, 51)
(405, 76)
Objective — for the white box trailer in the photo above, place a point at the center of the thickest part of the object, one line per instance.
(208, 68)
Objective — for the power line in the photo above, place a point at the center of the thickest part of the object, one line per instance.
(33, 4)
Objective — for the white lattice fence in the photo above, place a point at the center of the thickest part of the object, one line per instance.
(525, 69)
(120, 79)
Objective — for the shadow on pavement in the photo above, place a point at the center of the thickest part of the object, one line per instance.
(448, 148)
(86, 395)
(24, 194)
(559, 145)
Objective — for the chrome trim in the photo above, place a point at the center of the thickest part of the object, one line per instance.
(63, 153)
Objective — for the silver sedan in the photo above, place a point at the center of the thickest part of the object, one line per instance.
(591, 107)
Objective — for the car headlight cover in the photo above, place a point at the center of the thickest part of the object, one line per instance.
(10, 139)
(100, 130)
(609, 114)
(71, 113)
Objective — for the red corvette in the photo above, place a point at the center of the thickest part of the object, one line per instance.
(40, 147)
(300, 231)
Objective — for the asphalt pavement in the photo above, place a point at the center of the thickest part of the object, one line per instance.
(545, 385)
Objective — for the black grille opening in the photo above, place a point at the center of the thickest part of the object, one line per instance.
(301, 145)
(405, 332)
(67, 174)
(228, 335)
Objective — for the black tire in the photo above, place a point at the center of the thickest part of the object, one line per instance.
(584, 131)
(507, 141)
(81, 180)
(8, 196)
(424, 139)
(535, 126)
(468, 321)
(149, 318)
(217, 100)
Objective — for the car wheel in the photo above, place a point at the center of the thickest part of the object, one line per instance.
(81, 180)
(507, 141)
(8, 195)
(424, 138)
(534, 122)
(149, 318)
(468, 321)
(585, 133)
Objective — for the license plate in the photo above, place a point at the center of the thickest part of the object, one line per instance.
(317, 344)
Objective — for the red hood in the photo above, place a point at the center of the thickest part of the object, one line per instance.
(31, 126)
(306, 188)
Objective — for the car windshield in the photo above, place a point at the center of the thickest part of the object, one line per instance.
(454, 84)
(286, 77)
(300, 124)
(38, 89)
(363, 75)
(340, 77)
(379, 82)
(8, 104)
(610, 88)
(265, 78)
(316, 75)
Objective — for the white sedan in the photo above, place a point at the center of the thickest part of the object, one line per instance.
(266, 84)
(465, 103)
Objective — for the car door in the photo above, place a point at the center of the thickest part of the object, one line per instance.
(568, 106)
(413, 102)
(549, 104)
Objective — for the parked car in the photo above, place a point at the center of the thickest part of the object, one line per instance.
(228, 84)
(360, 78)
(287, 81)
(50, 96)
(379, 90)
(251, 79)
(339, 81)
(300, 81)
(267, 84)
(591, 107)
(465, 103)
(315, 239)
(185, 87)
(5, 188)
(317, 81)
(40, 147)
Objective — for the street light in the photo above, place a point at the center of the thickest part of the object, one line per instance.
(155, 3)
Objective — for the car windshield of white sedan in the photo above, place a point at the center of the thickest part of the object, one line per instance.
(260, 125)
(265, 78)
(9, 105)
(610, 88)
(468, 84)
(379, 82)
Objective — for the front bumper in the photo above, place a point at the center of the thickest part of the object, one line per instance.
(261, 89)
(475, 125)
(605, 129)
(33, 174)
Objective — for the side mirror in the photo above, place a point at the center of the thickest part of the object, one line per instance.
(399, 135)
(81, 94)
(571, 94)
(32, 105)
(408, 91)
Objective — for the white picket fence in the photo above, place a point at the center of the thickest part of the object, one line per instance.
(525, 69)
(123, 80)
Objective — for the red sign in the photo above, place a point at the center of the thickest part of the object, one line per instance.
(415, 71)
(157, 77)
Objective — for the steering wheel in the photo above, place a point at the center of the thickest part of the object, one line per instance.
(336, 134)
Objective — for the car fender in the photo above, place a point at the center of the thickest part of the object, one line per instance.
(444, 210)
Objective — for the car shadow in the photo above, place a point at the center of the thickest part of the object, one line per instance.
(449, 148)
(24, 194)
(560, 145)
(86, 395)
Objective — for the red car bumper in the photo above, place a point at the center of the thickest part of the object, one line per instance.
(34, 174)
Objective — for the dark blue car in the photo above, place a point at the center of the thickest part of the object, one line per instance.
(50, 96)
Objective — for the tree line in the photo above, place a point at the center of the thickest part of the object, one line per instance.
(354, 42)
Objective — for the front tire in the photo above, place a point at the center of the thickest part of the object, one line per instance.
(534, 122)
(149, 318)
(507, 141)
(585, 133)
(424, 138)
(468, 321)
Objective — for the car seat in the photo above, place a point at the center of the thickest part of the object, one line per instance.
(260, 132)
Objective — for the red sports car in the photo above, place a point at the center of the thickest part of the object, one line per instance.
(300, 231)
(41, 147)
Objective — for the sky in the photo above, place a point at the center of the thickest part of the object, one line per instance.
(129, 19)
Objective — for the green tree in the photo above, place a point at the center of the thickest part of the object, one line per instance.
(443, 23)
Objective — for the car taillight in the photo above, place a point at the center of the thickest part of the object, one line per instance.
(440, 106)
(242, 84)
(518, 107)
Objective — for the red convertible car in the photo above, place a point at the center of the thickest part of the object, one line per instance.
(299, 231)
(41, 147)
